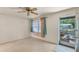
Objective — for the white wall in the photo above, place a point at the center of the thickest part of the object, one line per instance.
(52, 23)
(13, 27)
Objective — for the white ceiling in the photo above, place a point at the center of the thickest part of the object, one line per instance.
(41, 10)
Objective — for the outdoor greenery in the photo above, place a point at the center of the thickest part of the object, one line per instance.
(68, 21)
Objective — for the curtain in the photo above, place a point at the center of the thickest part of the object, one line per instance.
(31, 25)
(45, 28)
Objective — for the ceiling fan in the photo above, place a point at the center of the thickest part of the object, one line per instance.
(28, 10)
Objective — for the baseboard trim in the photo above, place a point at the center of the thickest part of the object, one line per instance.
(45, 40)
(13, 41)
(26, 38)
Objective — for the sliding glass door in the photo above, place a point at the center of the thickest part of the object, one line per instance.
(67, 31)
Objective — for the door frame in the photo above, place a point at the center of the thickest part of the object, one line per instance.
(76, 27)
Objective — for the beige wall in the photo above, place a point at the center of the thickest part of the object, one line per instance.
(53, 21)
(13, 27)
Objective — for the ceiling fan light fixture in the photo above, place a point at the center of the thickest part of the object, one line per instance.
(29, 10)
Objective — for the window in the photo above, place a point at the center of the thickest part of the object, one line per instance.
(36, 26)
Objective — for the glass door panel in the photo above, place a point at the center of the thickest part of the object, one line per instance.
(67, 31)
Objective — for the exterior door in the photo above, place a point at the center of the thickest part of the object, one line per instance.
(67, 31)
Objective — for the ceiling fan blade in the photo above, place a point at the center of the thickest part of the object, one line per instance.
(28, 10)
(34, 13)
(25, 8)
(33, 9)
